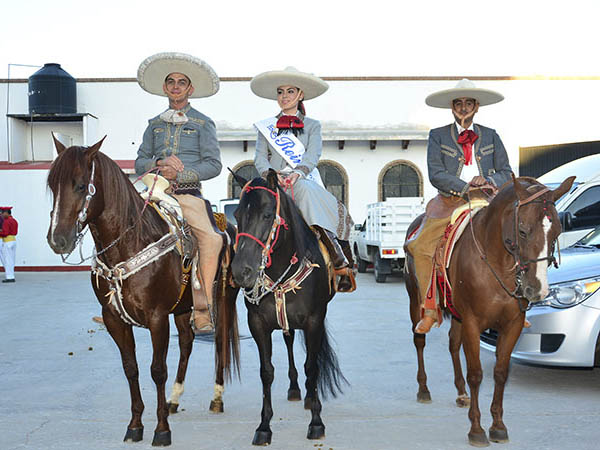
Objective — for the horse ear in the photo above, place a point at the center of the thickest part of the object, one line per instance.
(519, 190)
(564, 187)
(93, 150)
(59, 145)
(272, 181)
(238, 179)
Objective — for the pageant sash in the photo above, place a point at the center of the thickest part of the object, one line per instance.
(287, 145)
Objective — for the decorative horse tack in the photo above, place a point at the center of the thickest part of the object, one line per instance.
(265, 285)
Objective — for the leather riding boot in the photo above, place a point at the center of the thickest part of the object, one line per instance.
(338, 257)
(210, 242)
(428, 320)
(335, 250)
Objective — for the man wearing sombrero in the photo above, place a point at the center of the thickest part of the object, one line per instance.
(182, 143)
(459, 155)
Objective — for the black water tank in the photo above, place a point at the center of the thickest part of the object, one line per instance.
(52, 91)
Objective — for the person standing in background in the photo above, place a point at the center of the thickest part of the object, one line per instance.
(9, 243)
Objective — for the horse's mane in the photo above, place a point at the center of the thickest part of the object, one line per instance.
(305, 240)
(118, 191)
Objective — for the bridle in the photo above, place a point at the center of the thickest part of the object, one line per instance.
(261, 286)
(82, 217)
(278, 222)
(521, 266)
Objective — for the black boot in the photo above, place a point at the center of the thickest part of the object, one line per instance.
(340, 262)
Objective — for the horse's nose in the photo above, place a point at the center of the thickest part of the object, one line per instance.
(244, 277)
(60, 243)
(531, 295)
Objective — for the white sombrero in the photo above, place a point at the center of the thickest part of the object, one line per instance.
(154, 69)
(265, 84)
(464, 88)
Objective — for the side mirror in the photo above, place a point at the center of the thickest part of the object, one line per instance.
(358, 227)
(566, 220)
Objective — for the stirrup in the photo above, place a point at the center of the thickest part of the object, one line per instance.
(344, 272)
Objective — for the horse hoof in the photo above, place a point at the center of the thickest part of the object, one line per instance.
(307, 403)
(134, 434)
(161, 439)
(172, 407)
(262, 438)
(423, 397)
(463, 401)
(216, 406)
(499, 436)
(316, 432)
(294, 395)
(478, 440)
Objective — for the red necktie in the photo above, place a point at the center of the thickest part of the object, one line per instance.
(466, 139)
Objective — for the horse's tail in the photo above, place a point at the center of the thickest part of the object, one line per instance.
(227, 338)
(330, 379)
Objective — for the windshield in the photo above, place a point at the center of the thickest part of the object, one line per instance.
(592, 238)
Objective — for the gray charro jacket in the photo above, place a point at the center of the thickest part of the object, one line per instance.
(445, 159)
(194, 143)
(267, 158)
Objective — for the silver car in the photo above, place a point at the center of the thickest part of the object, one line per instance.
(565, 326)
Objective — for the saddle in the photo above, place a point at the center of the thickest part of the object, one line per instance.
(443, 252)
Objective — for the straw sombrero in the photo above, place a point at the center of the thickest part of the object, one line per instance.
(464, 88)
(154, 69)
(265, 84)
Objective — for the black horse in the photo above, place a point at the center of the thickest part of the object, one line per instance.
(278, 256)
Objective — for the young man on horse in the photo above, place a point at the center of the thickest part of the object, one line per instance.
(460, 155)
(182, 143)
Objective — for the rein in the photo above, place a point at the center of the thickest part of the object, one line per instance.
(520, 265)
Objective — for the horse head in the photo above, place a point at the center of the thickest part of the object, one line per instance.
(530, 228)
(257, 218)
(72, 180)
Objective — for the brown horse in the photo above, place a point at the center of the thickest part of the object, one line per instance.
(89, 189)
(497, 267)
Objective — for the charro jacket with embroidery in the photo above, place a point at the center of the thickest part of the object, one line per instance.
(194, 143)
(445, 159)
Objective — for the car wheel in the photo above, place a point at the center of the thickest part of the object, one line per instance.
(360, 263)
(379, 277)
(597, 352)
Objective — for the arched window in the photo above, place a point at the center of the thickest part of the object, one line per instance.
(246, 170)
(400, 179)
(335, 179)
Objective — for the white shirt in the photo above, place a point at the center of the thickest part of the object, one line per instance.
(472, 170)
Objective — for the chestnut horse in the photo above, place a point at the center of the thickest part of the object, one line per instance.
(275, 243)
(90, 189)
(497, 267)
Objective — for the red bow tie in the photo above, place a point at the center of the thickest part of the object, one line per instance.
(287, 122)
(466, 139)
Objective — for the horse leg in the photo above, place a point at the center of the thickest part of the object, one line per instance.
(313, 335)
(506, 342)
(186, 341)
(122, 334)
(216, 404)
(419, 340)
(470, 339)
(294, 394)
(455, 342)
(159, 331)
(262, 337)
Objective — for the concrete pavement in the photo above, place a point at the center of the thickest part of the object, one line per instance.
(53, 400)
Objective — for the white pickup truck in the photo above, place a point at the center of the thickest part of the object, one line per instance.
(380, 238)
